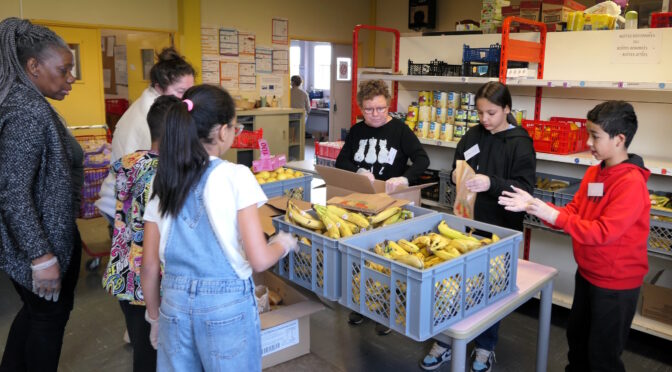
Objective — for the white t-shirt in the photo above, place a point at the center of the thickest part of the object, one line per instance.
(228, 185)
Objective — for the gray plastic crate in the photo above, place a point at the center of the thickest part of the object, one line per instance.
(660, 234)
(564, 196)
(297, 188)
(547, 195)
(446, 190)
(422, 303)
(318, 267)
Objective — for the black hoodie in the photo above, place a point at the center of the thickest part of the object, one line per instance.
(508, 158)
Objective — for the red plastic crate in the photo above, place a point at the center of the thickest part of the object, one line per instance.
(583, 129)
(661, 20)
(116, 105)
(328, 150)
(555, 137)
(248, 139)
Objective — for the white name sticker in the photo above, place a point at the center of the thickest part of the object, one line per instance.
(279, 337)
(595, 189)
(473, 151)
(391, 155)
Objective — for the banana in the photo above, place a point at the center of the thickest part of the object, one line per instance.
(448, 254)
(380, 251)
(343, 227)
(422, 241)
(438, 242)
(486, 241)
(354, 228)
(408, 246)
(392, 220)
(337, 211)
(358, 220)
(304, 219)
(495, 238)
(395, 249)
(406, 214)
(411, 260)
(448, 232)
(464, 245)
(332, 229)
(306, 241)
(382, 216)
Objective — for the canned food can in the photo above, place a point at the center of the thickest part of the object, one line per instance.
(424, 113)
(425, 98)
(434, 130)
(432, 114)
(446, 132)
(412, 114)
(450, 115)
(460, 128)
(472, 116)
(454, 100)
(441, 114)
(440, 99)
(411, 124)
(467, 99)
(460, 115)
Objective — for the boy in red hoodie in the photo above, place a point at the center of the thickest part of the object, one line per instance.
(608, 220)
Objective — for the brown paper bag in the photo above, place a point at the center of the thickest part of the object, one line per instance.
(464, 199)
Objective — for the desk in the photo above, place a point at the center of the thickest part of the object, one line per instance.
(532, 278)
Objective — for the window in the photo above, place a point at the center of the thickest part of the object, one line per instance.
(294, 60)
(322, 66)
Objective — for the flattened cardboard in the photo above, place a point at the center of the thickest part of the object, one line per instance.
(296, 306)
(341, 182)
(266, 214)
(280, 202)
(365, 203)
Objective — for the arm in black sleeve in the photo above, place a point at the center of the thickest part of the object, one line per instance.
(345, 157)
(522, 173)
(411, 146)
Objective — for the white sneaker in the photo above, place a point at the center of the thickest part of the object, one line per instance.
(436, 357)
(483, 360)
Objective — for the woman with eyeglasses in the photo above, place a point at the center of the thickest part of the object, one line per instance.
(380, 147)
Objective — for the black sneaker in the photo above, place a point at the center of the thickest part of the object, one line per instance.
(355, 318)
(436, 357)
(381, 330)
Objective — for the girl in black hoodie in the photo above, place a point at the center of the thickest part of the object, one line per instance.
(502, 155)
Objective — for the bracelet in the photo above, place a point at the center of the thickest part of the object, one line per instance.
(150, 320)
(43, 265)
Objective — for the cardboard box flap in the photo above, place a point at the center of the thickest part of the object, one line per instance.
(280, 202)
(346, 179)
(266, 214)
(366, 203)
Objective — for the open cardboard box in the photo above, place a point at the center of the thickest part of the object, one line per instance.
(275, 207)
(285, 332)
(341, 182)
(657, 297)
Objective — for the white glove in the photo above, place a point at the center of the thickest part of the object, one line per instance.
(368, 174)
(286, 240)
(395, 183)
(520, 200)
(154, 331)
(47, 279)
(478, 183)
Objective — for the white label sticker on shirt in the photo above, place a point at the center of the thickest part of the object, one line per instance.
(391, 155)
(473, 151)
(595, 189)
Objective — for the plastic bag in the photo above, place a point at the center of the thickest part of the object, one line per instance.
(263, 304)
(464, 199)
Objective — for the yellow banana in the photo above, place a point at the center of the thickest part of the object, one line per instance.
(422, 241)
(486, 241)
(380, 250)
(306, 241)
(304, 219)
(382, 216)
(358, 220)
(438, 242)
(330, 225)
(495, 238)
(447, 254)
(448, 232)
(354, 228)
(392, 220)
(411, 260)
(408, 246)
(464, 245)
(343, 227)
(394, 249)
(340, 212)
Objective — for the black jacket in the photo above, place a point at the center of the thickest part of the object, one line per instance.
(508, 158)
(372, 149)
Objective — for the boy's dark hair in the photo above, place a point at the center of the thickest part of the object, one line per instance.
(497, 94)
(183, 156)
(296, 80)
(169, 68)
(156, 117)
(615, 117)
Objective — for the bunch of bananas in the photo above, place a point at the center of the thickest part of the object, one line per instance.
(660, 202)
(431, 249)
(335, 222)
(549, 184)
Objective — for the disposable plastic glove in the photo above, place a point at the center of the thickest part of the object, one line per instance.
(395, 183)
(368, 174)
(286, 240)
(47, 279)
(520, 200)
(478, 183)
(154, 330)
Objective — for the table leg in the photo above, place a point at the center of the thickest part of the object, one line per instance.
(459, 355)
(545, 305)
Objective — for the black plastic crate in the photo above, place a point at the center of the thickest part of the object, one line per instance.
(434, 68)
(431, 192)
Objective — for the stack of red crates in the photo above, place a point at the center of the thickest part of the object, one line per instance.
(327, 152)
(559, 135)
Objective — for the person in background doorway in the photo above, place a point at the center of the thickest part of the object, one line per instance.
(171, 75)
(299, 97)
(608, 220)
(203, 225)
(502, 154)
(380, 147)
(134, 174)
(41, 176)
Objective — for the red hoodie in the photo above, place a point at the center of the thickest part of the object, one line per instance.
(609, 233)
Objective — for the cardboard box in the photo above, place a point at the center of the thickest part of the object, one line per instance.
(556, 11)
(511, 11)
(285, 332)
(657, 297)
(530, 10)
(341, 182)
(275, 207)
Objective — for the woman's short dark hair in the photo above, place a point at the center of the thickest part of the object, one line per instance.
(183, 156)
(372, 88)
(169, 68)
(498, 94)
(615, 117)
(296, 80)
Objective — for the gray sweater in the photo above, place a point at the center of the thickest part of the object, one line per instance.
(36, 187)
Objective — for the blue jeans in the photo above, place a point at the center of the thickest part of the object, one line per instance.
(210, 325)
(486, 340)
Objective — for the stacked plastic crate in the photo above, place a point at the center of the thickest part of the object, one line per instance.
(96, 167)
(327, 152)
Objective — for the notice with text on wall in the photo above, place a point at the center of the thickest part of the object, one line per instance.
(637, 46)
(264, 60)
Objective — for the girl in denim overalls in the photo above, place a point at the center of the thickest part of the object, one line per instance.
(203, 226)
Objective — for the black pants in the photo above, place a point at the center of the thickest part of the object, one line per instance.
(144, 355)
(36, 336)
(598, 327)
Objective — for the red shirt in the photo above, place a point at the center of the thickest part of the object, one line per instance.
(610, 232)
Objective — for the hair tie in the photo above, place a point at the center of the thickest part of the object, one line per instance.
(190, 104)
